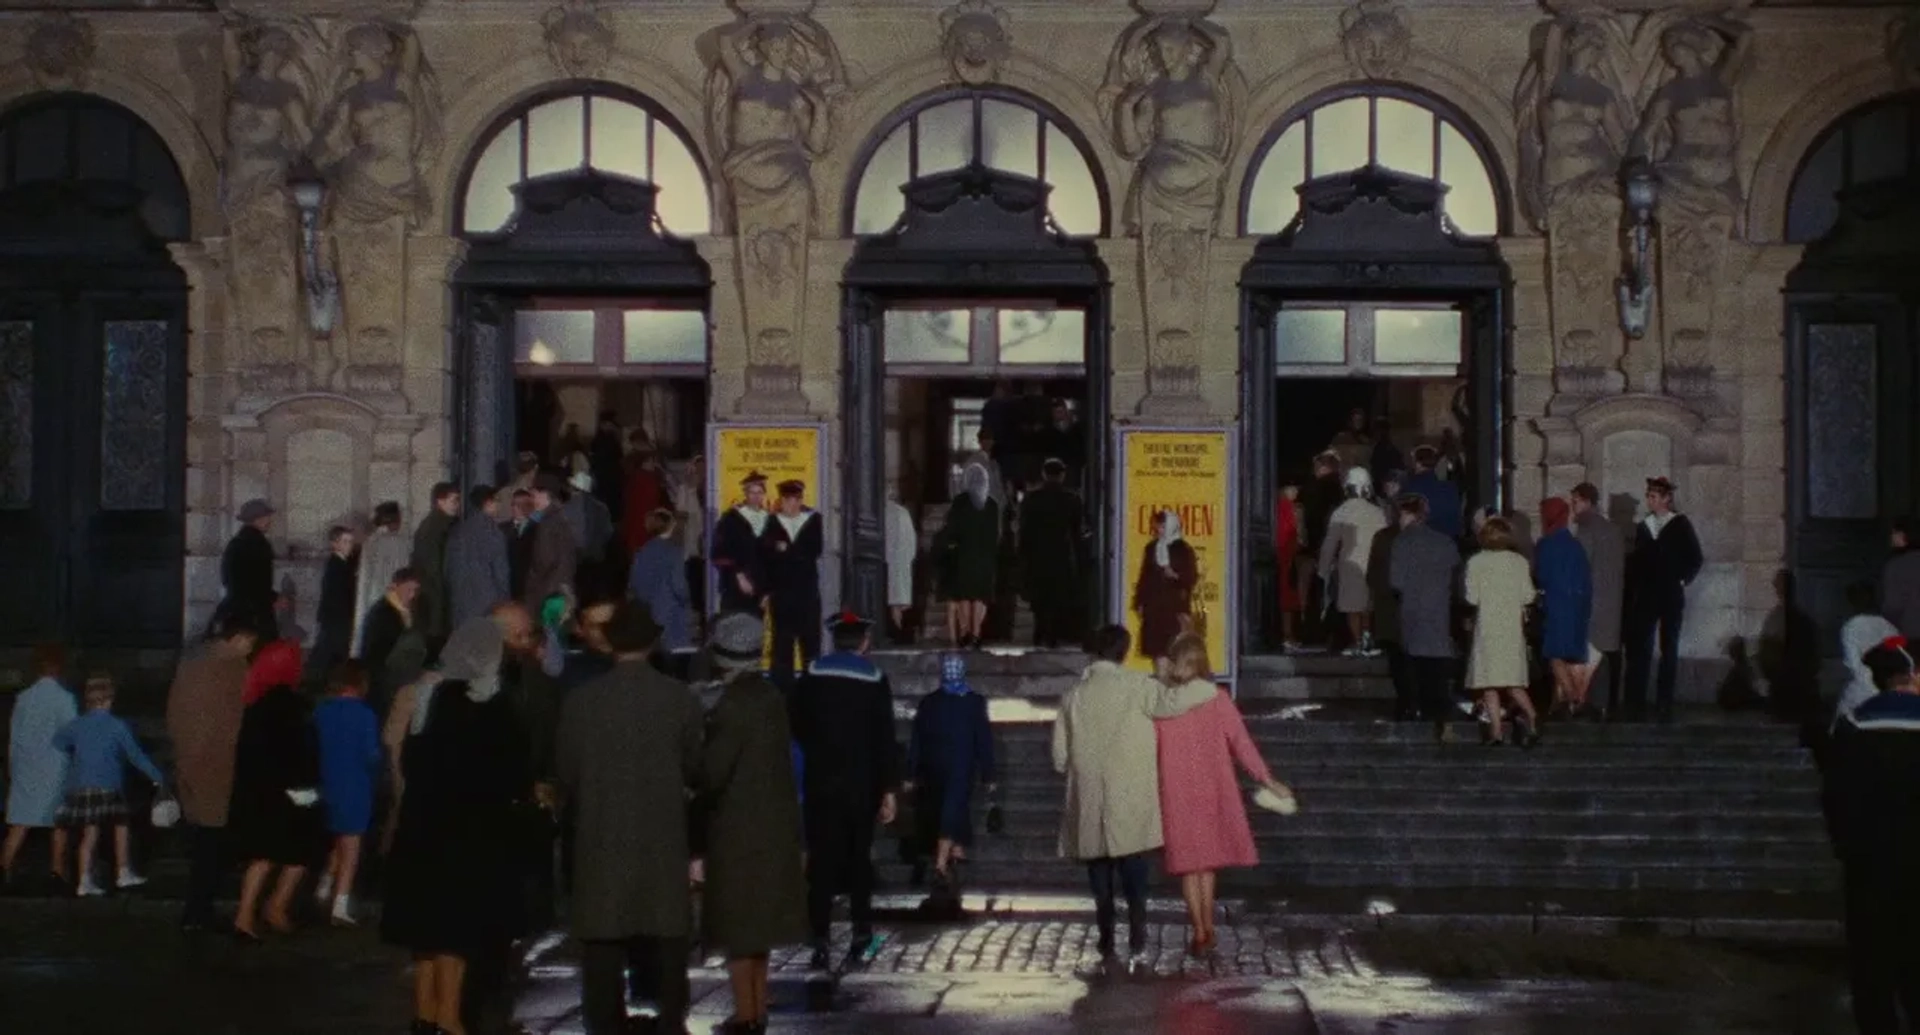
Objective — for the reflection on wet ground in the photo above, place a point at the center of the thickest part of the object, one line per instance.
(119, 967)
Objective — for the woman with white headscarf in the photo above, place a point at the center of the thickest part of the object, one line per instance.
(1163, 592)
(453, 877)
(1344, 554)
(968, 551)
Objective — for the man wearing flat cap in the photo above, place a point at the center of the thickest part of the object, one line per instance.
(843, 723)
(1665, 560)
(790, 550)
(246, 570)
(736, 547)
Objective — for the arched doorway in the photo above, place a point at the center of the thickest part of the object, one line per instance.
(1853, 323)
(581, 297)
(92, 377)
(1377, 288)
(975, 299)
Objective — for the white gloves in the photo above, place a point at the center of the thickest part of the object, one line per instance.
(305, 797)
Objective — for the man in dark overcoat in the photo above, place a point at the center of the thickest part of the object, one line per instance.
(246, 570)
(843, 723)
(432, 615)
(479, 574)
(1051, 568)
(1607, 559)
(790, 550)
(1666, 558)
(628, 757)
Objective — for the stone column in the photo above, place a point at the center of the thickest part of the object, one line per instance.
(207, 514)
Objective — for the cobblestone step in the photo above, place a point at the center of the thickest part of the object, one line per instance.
(1315, 819)
(1279, 875)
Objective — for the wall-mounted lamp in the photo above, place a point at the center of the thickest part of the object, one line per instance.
(1641, 189)
(323, 286)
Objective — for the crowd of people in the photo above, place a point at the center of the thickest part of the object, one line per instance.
(1474, 603)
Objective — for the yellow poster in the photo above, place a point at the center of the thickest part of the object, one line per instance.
(780, 453)
(1175, 539)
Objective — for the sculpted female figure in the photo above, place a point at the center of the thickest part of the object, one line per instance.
(1573, 130)
(383, 128)
(268, 122)
(1689, 129)
(1172, 93)
(770, 86)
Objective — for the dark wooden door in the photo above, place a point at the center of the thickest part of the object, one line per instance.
(92, 461)
(1851, 384)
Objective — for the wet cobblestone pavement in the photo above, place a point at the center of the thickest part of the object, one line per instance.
(118, 966)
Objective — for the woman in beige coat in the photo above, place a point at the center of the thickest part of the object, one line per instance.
(1344, 554)
(1499, 587)
(1104, 742)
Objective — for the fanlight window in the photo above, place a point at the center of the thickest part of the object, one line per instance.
(998, 133)
(1390, 132)
(74, 137)
(589, 132)
(1876, 143)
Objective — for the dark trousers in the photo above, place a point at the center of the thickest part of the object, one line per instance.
(1406, 696)
(839, 856)
(1054, 619)
(610, 971)
(1642, 622)
(206, 861)
(795, 624)
(1608, 674)
(1883, 958)
(1431, 680)
(1131, 871)
(697, 584)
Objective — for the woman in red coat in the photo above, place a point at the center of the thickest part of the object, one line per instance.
(1286, 535)
(646, 492)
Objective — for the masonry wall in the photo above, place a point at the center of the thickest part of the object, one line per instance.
(328, 427)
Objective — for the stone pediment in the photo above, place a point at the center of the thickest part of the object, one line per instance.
(585, 229)
(1373, 229)
(1871, 242)
(976, 226)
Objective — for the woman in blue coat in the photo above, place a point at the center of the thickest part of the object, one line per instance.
(1566, 604)
(951, 748)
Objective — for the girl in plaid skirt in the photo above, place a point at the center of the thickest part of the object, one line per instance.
(102, 746)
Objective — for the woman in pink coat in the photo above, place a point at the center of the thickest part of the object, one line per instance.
(1201, 814)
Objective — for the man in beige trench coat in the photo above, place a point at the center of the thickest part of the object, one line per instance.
(1103, 741)
(204, 707)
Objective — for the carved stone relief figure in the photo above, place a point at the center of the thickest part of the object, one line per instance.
(1171, 98)
(1376, 38)
(975, 39)
(579, 38)
(380, 134)
(270, 98)
(1574, 113)
(772, 81)
(1903, 47)
(1688, 129)
(60, 47)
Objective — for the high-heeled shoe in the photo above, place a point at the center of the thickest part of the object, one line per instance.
(244, 936)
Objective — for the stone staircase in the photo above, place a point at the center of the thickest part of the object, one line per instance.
(1704, 808)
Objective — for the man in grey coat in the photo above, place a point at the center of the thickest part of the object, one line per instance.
(1424, 566)
(478, 575)
(629, 755)
(1607, 556)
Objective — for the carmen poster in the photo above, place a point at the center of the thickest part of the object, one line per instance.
(1181, 480)
(780, 452)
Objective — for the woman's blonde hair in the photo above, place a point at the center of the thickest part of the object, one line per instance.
(99, 690)
(1187, 659)
(1496, 534)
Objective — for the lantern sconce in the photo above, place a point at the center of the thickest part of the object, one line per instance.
(322, 284)
(1641, 189)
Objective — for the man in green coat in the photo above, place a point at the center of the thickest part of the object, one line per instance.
(629, 755)
(433, 610)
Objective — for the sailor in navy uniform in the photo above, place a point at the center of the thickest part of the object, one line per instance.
(1872, 799)
(790, 549)
(736, 547)
(843, 723)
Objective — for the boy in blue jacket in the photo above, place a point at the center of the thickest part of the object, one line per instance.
(102, 747)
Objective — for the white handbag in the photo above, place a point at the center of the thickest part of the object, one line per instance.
(166, 812)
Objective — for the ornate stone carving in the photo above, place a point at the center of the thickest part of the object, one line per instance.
(1580, 367)
(579, 38)
(1376, 38)
(382, 127)
(271, 94)
(59, 51)
(1688, 129)
(1171, 99)
(1903, 47)
(772, 82)
(975, 39)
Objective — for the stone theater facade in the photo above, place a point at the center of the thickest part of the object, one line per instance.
(272, 248)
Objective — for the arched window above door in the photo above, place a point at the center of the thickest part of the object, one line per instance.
(1877, 142)
(1000, 130)
(587, 131)
(77, 138)
(1349, 130)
